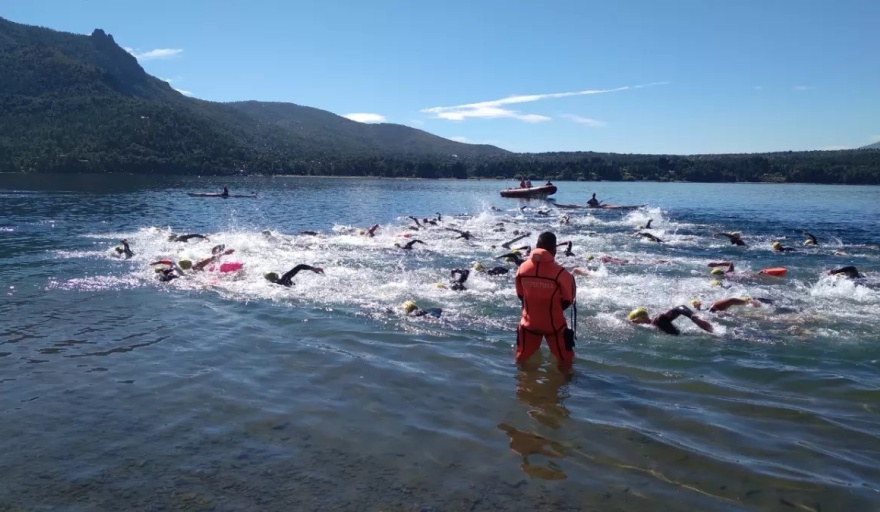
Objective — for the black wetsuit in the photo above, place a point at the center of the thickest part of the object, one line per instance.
(648, 224)
(409, 245)
(650, 237)
(734, 239)
(593, 202)
(287, 278)
(810, 238)
(664, 321)
(849, 271)
(186, 238)
(497, 271)
(512, 257)
(459, 276)
(461, 234)
(507, 244)
(310, 233)
(125, 250)
(225, 192)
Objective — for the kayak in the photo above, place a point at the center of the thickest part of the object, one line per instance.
(530, 193)
(601, 207)
(776, 272)
(208, 194)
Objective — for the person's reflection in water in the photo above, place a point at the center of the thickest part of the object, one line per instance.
(540, 389)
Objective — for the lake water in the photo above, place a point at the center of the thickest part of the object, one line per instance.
(226, 392)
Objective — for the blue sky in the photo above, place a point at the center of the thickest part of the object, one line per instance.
(629, 76)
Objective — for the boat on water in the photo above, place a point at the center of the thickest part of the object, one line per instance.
(210, 194)
(600, 207)
(541, 192)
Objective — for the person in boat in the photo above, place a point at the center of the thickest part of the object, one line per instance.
(287, 278)
(123, 250)
(593, 202)
(410, 308)
(522, 183)
(649, 236)
(225, 192)
(459, 276)
(664, 321)
(548, 184)
(848, 271)
(545, 290)
(734, 237)
(409, 245)
(186, 238)
(528, 183)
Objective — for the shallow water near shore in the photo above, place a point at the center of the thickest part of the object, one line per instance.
(226, 392)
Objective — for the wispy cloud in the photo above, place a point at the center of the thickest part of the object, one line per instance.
(802, 88)
(459, 138)
(495, 108)
(157, 54)
(363, 117)
(834, 148)
(585, 120)
(182, 91)
(466, 140)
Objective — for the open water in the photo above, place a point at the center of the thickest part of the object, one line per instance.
(226, 392)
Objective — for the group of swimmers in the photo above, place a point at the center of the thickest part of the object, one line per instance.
(519, 257)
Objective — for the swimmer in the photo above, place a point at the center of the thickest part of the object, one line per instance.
(567, 248)
(777, 247)
(649, 236)
(734, 237)
(725, 304)
(664, 321)
(848, 271)
(593, 202)
(459, 276)
(123, 249)
(309, 233)
(370, 232)
(411, 309)
(811, 240)
(217, 253)
(409, 245)
(186, 238)
(418, 224)
(647, 224)
(167, 274)
(565, 220)
(287, 278)
(716, 264)
(494, 271)
(512, 257)
(507, 244)
(461, 234)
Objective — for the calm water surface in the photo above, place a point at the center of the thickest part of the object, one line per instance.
(225, 392)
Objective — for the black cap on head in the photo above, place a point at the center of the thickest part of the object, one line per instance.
(547, 241)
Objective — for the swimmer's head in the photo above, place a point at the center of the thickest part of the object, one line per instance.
(776, 246)
(745, 298)
(478, 266)
(185, 264)
(715, 282)
(409, 306)
(440, 285)
(589, 257)
(267, 231)
(809, 241)
(716, 272)
(696, 304)
(271, 276)
(516, 251)
(638, 315)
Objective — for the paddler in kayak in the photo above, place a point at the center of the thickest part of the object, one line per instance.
(664, 321)
(123, 250)
(225, 192)
(593, 202)
(545, 290)
(287, 278)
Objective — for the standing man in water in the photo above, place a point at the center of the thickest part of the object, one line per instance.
(546, 291)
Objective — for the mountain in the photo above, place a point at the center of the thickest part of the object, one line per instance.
(875, 145)
(76, 103)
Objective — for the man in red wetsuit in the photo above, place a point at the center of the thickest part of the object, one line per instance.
(546, 290)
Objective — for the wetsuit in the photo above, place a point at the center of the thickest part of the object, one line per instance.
(459, 276)
(507, 244)
(849, 271)
(650, 237)
(497, 271)
(513, 258)
(461, 234)
(811, 240)
(287, 278)
(648, 224)
(567, 245)
(733, 237)
(125, 249)
(546, 290)
(309, 233)
(186, 238)
(664, 321)
(409, 245)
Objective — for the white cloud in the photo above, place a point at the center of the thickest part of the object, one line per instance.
(802, 88)
(363, 117)
(158, 53)
(585, 120)
(834, 148)
(493, 109)
(181, 91)
(459, 138)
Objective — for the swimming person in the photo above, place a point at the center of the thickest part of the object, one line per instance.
(664, 321)
(507, 244)
(512, 257)
(217, 253)
(123, 249)
(545, 290)
(494, 271)
(811, 240)
(370, 232)
(777, 247)
(567, 245)
(287, 278)
(461, 234)
(649, 236)
(167, 274)
(411, 309)
(734, 237)
(186, 238)
(725, 304)
(848, 271)
(409, 245)
(459, 276)
(593, 202)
